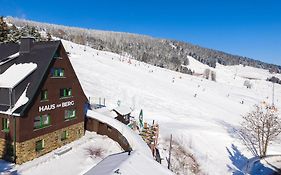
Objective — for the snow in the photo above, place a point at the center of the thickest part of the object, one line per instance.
(15, 74)
(136, 163)
(107, 112)
(135, 141)
(123, 110)
(9, 58)
(272, 161)
(75, 162)
(197, 66)
(20, 102)
(205, 124)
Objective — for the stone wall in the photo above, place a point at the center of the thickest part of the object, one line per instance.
(2, 147)
(25, 151)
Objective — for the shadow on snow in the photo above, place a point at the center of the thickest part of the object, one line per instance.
(242, 165)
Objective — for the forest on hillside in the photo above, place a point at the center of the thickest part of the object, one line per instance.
(170, 54)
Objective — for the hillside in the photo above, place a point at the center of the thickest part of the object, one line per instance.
(165, 53)
(204, 125)
(202, 115)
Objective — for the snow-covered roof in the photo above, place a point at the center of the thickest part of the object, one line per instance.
(15, 74)
(18, 67)
(9, 58)
(123, 110)
(136, 163)
(133, 138)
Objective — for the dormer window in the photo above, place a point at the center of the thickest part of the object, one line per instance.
(57, 72)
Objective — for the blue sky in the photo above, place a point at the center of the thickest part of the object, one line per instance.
(249, 28)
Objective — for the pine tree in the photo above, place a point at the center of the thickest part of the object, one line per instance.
(14, 34)
(49, 37)
(4, 30)
(34, 32)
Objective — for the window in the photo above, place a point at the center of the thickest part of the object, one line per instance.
(57, 72)
(65, 92)
(39, 145)
(44, 95)
(64, 135)
(69, 114)
(5, 124)
(41, 121)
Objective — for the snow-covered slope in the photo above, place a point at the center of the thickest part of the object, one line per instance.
(201, 114)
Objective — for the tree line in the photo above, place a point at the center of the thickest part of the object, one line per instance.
(11, 33)
(170, 54)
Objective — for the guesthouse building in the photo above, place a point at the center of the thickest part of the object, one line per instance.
(42, 104)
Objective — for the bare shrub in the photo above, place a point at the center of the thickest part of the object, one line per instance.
(93, 152)
(182, 161)
(213, 76)
(260, 127)
(248, 84)
(207, 73)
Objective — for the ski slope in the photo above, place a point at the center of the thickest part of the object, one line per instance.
(201, 114)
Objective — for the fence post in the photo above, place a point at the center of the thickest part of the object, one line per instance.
(170, 151)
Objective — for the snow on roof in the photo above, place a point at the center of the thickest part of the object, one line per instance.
(21, 101)
(15, 74)
(133, 138)
(136, 163)
(9, 58)
(14, 55)
(123, 110)
(106, 112)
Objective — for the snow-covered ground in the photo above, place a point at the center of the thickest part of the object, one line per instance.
(77, 161)
(201, 114)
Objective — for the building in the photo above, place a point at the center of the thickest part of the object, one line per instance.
(42, 104)
(123, 114)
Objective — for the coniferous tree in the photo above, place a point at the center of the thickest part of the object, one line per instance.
(4, 30)
(49, 37)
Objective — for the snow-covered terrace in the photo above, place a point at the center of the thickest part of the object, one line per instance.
(139, 161)
(134, 140)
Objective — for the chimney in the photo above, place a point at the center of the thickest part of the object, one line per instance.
(26, 44)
